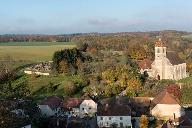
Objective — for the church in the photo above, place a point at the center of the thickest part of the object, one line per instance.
(167, 65)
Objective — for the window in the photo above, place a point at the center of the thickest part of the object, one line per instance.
(109, 118)
(82, 108)
(107, 124)
(121, 118)
(121, 124)
(158, 51)
(101, 118)
(89, 108)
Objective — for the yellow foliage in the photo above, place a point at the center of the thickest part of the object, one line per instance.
(144, 122)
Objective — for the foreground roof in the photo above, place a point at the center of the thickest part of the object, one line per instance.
(164, 98)
(116, 106)
(52, 101)
(72, 102)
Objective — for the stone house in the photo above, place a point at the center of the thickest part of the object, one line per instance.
(165, 105)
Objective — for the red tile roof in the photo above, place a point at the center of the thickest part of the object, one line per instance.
(145, 64)
(164, 98)
(52, 101)
(72, 102)
(159, 43)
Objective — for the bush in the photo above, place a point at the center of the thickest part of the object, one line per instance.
(70, 88)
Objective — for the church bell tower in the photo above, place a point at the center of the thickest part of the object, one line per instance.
(160, 49)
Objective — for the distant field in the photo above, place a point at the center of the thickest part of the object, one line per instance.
(187, 37)
(32, 51)
(35, 43)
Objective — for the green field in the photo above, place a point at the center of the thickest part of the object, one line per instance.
(33, 51)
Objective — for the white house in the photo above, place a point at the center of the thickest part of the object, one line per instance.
(51, 106)
(167, 65)
(114, 112)
(88, 107)
(164, 105)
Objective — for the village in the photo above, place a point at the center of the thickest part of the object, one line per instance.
(121, 111)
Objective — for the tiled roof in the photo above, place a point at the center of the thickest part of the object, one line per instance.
(140, 105)
(52, 101)
(72, 102)
(145, 64)
(174, 58)
(116, 106)
(159, 43)
(164, 98)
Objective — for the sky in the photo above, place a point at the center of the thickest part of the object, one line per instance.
(83, 16)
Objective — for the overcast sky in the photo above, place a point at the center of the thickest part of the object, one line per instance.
(73, 16)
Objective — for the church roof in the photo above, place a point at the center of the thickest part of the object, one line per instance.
(174, 58)
(164, 97)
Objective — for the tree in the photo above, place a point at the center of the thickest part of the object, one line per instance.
(9, 119)
(144, 121)
(68, 60)
(63, 67)
(70, 88)
(133, 87)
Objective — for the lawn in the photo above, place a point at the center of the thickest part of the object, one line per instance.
(187, 80)
(39, 86)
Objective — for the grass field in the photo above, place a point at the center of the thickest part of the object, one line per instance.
(39, 86)
(187, 80)
(30, 52)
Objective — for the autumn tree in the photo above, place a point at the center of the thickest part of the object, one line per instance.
(144, 121)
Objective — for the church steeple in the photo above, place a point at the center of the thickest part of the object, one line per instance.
(160, 49)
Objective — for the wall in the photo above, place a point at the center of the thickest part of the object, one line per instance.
(167, 110)
(46, 110)
(106, 122)
(37, 73)
(88, 107)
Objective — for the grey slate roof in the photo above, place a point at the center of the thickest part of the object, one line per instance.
(174, 58)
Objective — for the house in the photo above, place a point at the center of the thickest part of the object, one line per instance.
(140, 106)
(145, 66)
(165, 105)
(88, 107)
(114, 112)
(167, 65)
(51, 106)
(71, 105)
(80, 107)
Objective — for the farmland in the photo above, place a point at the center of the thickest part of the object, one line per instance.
(30, 52)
